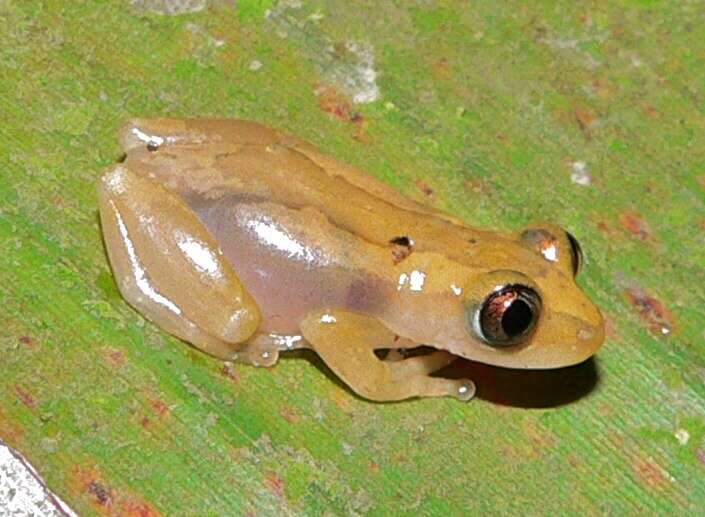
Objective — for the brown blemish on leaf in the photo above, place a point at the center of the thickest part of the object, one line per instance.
(649, 472)
(477, 186)
(442, 68)
(333, 101)
(374, 467)
(341, 399)
(25, 397)
(107, 500)
(27, 341)
(542, 441)
(159, 406)
(116, 359)
(289, 414)
(618, 31)
(652, 311)
(275, 484)
(586, 119)
(101, 494)
(424, 187)
(230, 372)
(138, 509)
(610, 326)
(9, 432)
(650, 111)
(700, 453)
(635, 224)
(603, 88)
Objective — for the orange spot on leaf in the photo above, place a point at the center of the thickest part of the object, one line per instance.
(649, 472)
(230, 372)
(27, 341)
(25, 397)
(289, 414)
(335, 102)
(116, 359)
(106, 499)
(10, 432)
(275, 484)
(635, 224)
(425, 188)
(159, 407)
(650, 111)
(442, 67)
(138, 509)
(101, 494)
(477, 186)
(586, 118)
(652, 311)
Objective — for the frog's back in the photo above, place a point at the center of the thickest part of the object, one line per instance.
(255, 160)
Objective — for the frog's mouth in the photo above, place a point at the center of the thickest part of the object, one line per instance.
(394, 354)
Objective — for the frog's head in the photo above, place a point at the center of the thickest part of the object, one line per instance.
(514, 304)
(531, 313)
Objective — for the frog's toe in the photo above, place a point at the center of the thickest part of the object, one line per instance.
(465, 390)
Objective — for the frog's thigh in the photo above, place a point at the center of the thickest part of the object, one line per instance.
(169, 267)
(346, 342)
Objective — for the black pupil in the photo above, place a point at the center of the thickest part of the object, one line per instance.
(516, 318)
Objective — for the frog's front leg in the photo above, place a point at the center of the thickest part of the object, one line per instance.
(346, 342)
(169, 267)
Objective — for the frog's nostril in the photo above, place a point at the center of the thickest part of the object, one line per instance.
(586, 334)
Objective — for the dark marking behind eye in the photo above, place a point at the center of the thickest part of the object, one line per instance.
(401, 241)
(576, 254)
(401, 248)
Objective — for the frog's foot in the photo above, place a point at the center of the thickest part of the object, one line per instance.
(169, 267)
(346, 342)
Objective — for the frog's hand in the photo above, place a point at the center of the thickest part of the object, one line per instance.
(346, 342)
(170, 268)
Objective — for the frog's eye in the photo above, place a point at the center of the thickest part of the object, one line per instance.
(508, 315)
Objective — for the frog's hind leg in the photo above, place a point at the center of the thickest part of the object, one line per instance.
(170, 268)
(346, 342)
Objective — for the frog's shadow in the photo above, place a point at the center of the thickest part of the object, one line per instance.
(505, 386)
